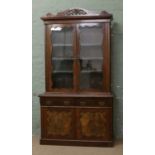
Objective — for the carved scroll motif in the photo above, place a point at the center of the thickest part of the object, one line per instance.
(77, 12)
(72, 12)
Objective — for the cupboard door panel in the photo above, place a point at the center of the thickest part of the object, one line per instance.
(58, 122)
(94, 123)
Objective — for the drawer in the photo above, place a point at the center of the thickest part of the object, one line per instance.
(102, 102)
(50, 101)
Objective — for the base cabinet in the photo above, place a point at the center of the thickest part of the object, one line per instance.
(88, 122)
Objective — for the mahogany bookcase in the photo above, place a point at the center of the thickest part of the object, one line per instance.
(77, 106)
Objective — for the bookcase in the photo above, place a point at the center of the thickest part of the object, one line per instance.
(77, 107)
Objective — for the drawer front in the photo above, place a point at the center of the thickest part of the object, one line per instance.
(94, 124)
(57, 123)
(47, 101)
(94, 102)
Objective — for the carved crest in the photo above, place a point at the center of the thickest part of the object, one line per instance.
(77, 13)
(73, 12)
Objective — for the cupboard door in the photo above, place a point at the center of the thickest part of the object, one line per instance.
(94, 123)
(57, 122)
(62, 57)
(91, 56)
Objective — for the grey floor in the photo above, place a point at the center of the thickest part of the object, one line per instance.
(38, 149)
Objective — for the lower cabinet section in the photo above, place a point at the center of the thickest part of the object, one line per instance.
(76, 125)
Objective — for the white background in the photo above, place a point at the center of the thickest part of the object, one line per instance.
(16, 77)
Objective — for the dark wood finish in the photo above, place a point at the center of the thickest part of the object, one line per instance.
(93, 111)
(76, 142)
(77, 14)
(101, 102)
(74, 116)
(75, 60)
(58, 122)
(106, 65)
(95, 123)
(80, 94)
(47, 59)
(77, 56)
(75, 21)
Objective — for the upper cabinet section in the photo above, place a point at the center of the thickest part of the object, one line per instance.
(77, 51)
(77, 13)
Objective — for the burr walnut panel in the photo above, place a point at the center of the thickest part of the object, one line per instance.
(94, 123)
(59, 122)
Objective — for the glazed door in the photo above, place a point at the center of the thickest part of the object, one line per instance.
(62, 57)
(91, 56)
(78, 57)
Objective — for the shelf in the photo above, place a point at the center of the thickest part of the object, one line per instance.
(55, 59)
(84, 58)
(70, 72)
(62, 45)
(62, 72)
(90, 71)
(70, 45)
(91, 58)
(90, 45)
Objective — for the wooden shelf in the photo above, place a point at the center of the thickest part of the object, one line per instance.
(91, 58)
(55, 59)
(82, 71)
(82, 45)
(90, 71)
(62, 72)
(62, 45)
(82, 58)
(90, 45)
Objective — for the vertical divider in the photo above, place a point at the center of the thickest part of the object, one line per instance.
(106, 55)
(48, 51)
(76, 58)
(77, 112)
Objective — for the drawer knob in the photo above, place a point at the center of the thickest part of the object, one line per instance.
(101, 103)
(48, 102)
(66, 102)
(82, 103)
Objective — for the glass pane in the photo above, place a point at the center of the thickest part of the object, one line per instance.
(91, 56)
(62, 56)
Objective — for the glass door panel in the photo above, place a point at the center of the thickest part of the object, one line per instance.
(91, 56)
(62, 56)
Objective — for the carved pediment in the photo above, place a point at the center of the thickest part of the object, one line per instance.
(73, 12)
(77, 13)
